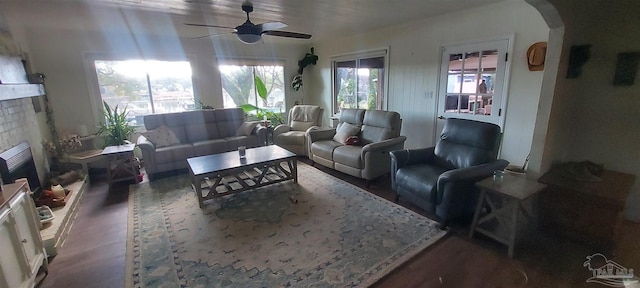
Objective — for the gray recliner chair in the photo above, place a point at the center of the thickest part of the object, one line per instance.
(441, 179)
(293, 135)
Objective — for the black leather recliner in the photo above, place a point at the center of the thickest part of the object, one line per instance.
(441, 179)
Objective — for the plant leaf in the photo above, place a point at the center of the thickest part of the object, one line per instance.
(246, 108)
(261, 88)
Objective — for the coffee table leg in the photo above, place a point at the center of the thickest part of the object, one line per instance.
(197, 184)
(295, 170)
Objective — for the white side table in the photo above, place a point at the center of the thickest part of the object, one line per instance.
(513, 191)
(121, 164)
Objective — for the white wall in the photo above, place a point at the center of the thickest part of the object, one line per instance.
(591, 119)
(415, 63)
(64, 56)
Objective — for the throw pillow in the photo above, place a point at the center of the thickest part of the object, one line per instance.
(161, 137)
(246, 128)
(344, 131)
(352, 140)
(300, 125)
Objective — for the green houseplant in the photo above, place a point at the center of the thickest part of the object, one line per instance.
(275, 118)
(116, 128)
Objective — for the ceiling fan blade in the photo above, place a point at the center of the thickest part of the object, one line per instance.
(207, 25)
(213, 35)
(268, 26)
(287, 34)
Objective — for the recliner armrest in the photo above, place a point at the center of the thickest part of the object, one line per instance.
(323, 134)
(386, 144)
(282, 128)
(412, 156)
(474, 174)
(312, 128)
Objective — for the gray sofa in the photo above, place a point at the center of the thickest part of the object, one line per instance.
(378, 133)
(194, 133)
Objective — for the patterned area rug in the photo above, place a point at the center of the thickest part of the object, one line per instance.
(321, 232)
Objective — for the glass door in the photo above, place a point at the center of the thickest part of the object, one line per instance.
(472, 81)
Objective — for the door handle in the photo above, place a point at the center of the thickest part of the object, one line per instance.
(441, 117)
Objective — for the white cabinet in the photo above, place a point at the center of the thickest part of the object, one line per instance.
(21, 251)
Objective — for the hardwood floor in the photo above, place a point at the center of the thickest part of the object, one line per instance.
(94, 252)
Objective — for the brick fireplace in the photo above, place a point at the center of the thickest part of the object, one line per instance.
(18, 124)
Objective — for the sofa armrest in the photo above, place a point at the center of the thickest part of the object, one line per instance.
(148, 151)
(321, 134)
(260, 132)
(375, 156)
(468, 175)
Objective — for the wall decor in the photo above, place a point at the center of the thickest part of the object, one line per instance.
(536, 55)
(626, 68)
(578, 56)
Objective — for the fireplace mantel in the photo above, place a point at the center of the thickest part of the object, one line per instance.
(14, 83)
(16, 91)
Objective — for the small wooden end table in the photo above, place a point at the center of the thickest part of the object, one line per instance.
(513, 190)
(121, 164)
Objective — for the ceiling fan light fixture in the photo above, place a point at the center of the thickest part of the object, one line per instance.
(249, 38)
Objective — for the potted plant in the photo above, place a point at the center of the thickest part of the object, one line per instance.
(274, 118)
(116, 127)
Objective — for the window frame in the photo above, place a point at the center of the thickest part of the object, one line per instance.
(357, 56)
(95, 97)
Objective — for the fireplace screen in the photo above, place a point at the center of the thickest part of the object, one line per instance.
(17, 163)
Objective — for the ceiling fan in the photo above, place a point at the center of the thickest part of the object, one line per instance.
(251, 33)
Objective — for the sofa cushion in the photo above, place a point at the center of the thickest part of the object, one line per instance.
(161, 137)
(292, 138)
(301, 125)
(172, 120)
(228, 121)
(324, 148)
(420, 180)
(208, 147)
(380, 125)
(344, 131)
(200, 125)
(353, 116)
(348, 155)
(174, 153)
(249, 141)
(246, 128)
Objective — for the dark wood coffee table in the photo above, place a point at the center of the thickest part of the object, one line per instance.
(226, 173)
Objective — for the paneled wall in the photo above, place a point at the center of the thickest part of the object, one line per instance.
(415, 58)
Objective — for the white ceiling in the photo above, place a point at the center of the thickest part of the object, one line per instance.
(321, 18)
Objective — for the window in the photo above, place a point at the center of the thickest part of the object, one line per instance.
(145, 86)
(472, 81)
(238, 85)
(359, 81)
